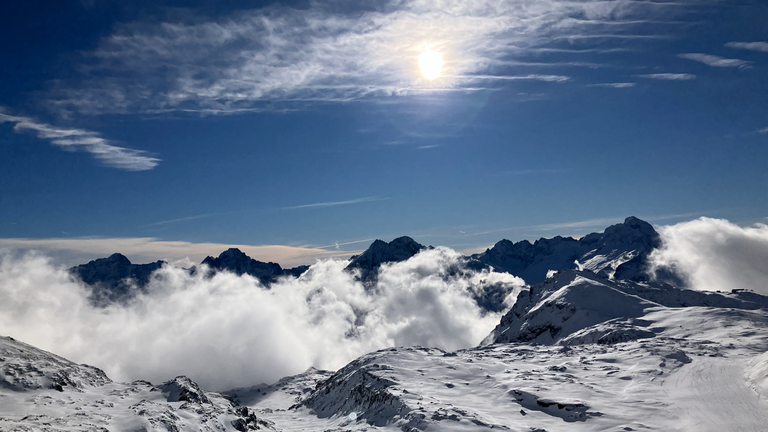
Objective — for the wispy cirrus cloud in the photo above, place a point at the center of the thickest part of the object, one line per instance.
(278, 54)
(715, 61)
(613, 85)
(535, 77)
(669, 76)
(336, 203)
(79, 139)
(752, 46)
(763, 130)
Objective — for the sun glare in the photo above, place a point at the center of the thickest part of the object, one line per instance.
(430, 63)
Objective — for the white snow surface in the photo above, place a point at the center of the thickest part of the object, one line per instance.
(40, 391)
(688, 377)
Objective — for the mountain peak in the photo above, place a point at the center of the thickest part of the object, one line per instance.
(236, 261)
(380, 252)
(114, 279)
(622, 249)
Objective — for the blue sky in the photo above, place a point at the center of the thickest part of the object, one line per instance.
(160, 126)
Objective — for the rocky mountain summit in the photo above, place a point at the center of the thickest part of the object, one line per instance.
(621, 252)
(380, 252)
(115, 279)
(237, 262)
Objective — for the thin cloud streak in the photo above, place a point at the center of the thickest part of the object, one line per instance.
(79, 139)
(548, 78)
(715, 61)
(669, 76)
(336, 203)
(613, 85)
(763, 130)
(752, 46)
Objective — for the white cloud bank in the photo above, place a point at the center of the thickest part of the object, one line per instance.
(227, 331)
(715, 254)
(328, 52)
(79, 139)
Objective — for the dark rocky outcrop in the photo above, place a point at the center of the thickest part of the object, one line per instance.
(237, 262)
(115, 279)
(380, 252)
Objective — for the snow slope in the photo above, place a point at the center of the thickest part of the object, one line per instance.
(40, 391)
(684, 378)
(614, 356)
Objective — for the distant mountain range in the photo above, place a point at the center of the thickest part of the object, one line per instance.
(620, 252)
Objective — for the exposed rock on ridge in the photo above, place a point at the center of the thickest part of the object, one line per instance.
(380, 252)
(573, 300)
(115, 279)
(621, 251)
(237, 262)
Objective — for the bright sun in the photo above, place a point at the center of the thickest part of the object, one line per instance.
(430, 63)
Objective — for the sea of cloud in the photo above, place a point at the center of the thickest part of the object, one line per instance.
(227, 331)
(715, 254)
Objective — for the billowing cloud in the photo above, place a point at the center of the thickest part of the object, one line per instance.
(261, 58)
(71, 251)
(669, 76)
(79, 139)
(228, 331)
(752, 46)
(715, 61)
(715, 254)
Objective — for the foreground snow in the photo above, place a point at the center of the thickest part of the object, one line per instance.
(691, 376)
(40, 391)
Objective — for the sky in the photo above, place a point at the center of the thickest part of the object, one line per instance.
(297, 130)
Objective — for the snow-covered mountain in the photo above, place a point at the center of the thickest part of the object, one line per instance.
(621, 251)
(40, 391)
(574, 300)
